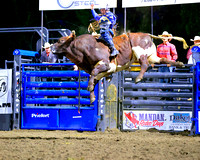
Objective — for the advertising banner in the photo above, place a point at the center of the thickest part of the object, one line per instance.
(199, 121)
(161, 120)
(5, 91)
(74, 4)
(142, 3)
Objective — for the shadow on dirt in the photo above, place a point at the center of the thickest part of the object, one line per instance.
(181, 133)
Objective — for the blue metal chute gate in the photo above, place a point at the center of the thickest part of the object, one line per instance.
(51, 99)
(196, 101)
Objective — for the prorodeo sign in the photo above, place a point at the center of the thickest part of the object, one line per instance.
(5, 91)
(3, 85)
(41, 115)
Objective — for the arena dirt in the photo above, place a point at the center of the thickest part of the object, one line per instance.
(109, 145)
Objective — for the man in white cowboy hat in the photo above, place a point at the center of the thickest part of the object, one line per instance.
(166, 50)
(196, 41)
(47, 56)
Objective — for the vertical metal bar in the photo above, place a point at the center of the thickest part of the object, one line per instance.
(124, 20)
(196, 99)
(122, 99)
(42, 25)
(151, 19)
(114, 10)
(79, 88)
(5, 64)
(193, 129)
(120, 110)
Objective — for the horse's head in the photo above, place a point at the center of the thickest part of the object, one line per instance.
(62, 44)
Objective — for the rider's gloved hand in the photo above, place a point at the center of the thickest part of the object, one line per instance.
(92, 6)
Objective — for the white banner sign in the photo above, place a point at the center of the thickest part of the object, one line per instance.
(142, 3)
(5, 91)
(161, 120)
(199, 121)
(75, 4)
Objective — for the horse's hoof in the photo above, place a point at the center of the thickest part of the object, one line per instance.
(92, 100)
(180, 64)
(90, 88)
(137, 80)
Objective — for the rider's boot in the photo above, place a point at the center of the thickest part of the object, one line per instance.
(114, 51)
(106, 36)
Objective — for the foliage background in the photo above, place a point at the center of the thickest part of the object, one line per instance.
(180, 20)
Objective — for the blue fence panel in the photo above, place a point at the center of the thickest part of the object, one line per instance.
(54, 73)
(196, 109)
(57, 93)
(49, 102)
(57, 84)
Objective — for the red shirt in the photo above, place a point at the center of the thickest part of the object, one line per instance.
(168, 51)
(189, 53)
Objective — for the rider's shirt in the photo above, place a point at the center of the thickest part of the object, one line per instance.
(189, 53)
(106, 21)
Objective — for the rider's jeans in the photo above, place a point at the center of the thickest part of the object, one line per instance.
(107, 37)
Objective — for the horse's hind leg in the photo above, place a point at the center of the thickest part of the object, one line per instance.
(144, 65)
(101, 67)
(173, 63)
(155, 59)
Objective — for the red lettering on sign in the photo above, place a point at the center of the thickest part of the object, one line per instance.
(156, 123)
(147, 123)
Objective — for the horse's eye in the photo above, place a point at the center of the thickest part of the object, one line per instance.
(62, 41)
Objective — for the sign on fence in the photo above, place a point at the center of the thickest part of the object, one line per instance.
(74, 4)
(142, 3)
(199, 122)
(161, 120)
(5, 91)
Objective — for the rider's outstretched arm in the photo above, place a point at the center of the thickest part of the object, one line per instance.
(95, 15)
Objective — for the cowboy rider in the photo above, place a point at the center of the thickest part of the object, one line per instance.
(106, 21)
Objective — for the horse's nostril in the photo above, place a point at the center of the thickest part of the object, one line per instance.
(53, 51)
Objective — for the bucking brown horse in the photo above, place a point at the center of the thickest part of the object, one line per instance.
(94, 58)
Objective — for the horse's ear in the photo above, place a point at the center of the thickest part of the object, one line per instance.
(73, 34)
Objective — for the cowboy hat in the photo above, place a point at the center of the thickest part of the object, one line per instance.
(47, 45)
(165, 34)
(196, 38)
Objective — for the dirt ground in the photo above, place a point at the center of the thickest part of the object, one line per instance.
(109, 145)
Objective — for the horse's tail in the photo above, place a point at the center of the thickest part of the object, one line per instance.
(185, 46)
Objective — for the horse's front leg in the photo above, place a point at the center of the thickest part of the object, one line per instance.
(100, 67)
(92, 96)
(91, 83)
